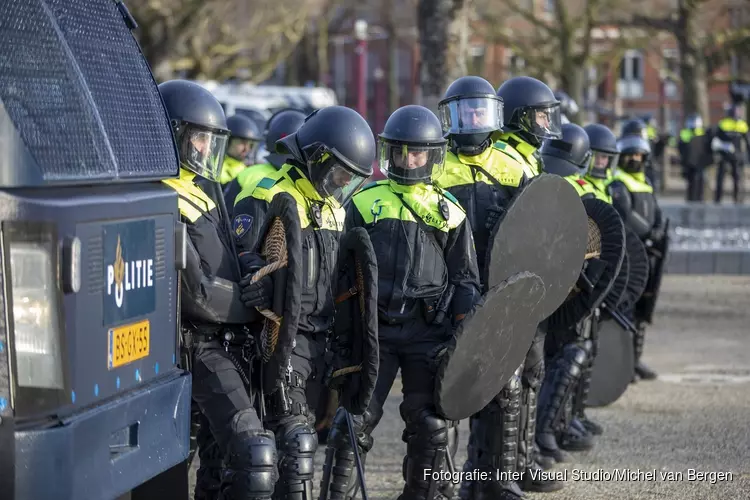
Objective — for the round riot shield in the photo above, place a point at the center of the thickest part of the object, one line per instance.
(613, 366)
(605, 251)
(638, 271)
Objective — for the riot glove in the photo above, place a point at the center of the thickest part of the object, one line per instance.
(257, 294)
(250, 262)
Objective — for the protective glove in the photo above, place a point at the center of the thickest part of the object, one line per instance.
(258, 294)
(250, 262)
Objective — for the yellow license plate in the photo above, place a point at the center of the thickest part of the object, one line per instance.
(128, 343)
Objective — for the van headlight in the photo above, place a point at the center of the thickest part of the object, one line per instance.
(35, 320)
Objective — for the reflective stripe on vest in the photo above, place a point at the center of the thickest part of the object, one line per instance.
(460, 170)
(635, 183)
(192, 201)
(380, 201)
(289, 179)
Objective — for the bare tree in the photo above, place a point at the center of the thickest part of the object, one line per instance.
(219, 38)
(443, 26)
(558, 45)
(703, 49)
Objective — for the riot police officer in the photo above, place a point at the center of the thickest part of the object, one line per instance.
(633, 197)
(568, 350)
(604, 156)
(427, 282)
(329, 158)
(695, 155)
(281, 124)
(211, 307)
(731, 133)
(484, 179)
(243, 143)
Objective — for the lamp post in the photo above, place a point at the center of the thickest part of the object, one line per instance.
(360, 35)
(380, 98)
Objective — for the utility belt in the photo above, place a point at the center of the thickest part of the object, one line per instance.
(238, 338)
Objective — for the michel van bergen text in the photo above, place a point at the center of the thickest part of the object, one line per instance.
(582, 475)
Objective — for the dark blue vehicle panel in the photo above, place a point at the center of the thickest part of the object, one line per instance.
(107, 451)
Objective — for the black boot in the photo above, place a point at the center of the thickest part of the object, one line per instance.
(558, 383)
(576, 438)
(584, 384)
(496, 444)
(532, 479)
(544, 462)
(642, 371)
(340, 479)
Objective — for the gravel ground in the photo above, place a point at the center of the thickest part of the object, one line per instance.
(694, 418)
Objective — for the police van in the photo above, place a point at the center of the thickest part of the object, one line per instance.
(93, 402)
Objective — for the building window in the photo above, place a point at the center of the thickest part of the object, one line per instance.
(630, 83)
(671, 69)
(476, 59)
(516, 66)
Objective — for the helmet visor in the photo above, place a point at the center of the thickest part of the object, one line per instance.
(543, 122)
(410, 164)
(471, 115)
(203, 152)
(338, 183)
(633, 144)
(602, 163)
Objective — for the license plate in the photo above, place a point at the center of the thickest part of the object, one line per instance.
(128, 343)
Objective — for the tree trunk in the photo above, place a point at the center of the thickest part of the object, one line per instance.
(692, 64)
(436, 20)
(324, 76)
(392, 46)
(572, 82)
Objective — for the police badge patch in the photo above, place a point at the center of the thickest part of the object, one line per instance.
(242, 224)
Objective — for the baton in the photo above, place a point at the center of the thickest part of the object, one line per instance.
(357, 459)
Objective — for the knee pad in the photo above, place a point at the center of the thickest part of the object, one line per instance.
(250, 466)
(297, 448)
(428, 430)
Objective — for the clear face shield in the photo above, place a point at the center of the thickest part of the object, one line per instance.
(244, 150)
(471, 115)
(602, 164)
(411, 164)
(202, 151)
(544, 122)
(335, 181)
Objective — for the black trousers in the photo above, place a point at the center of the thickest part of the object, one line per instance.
(729, 162)
(227, 409)
(696, 181)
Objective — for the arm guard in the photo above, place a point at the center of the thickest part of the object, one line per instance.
(211, 299)
(624, 206)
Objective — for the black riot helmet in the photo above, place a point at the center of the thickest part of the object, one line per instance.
(634, 153)
(281, 124)
(635, 127)
(245, 137)
(569, 155)
(469, 113)
(336, 146)
(412, 146)
(604, 150)
(531, 110)
(199, 126)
